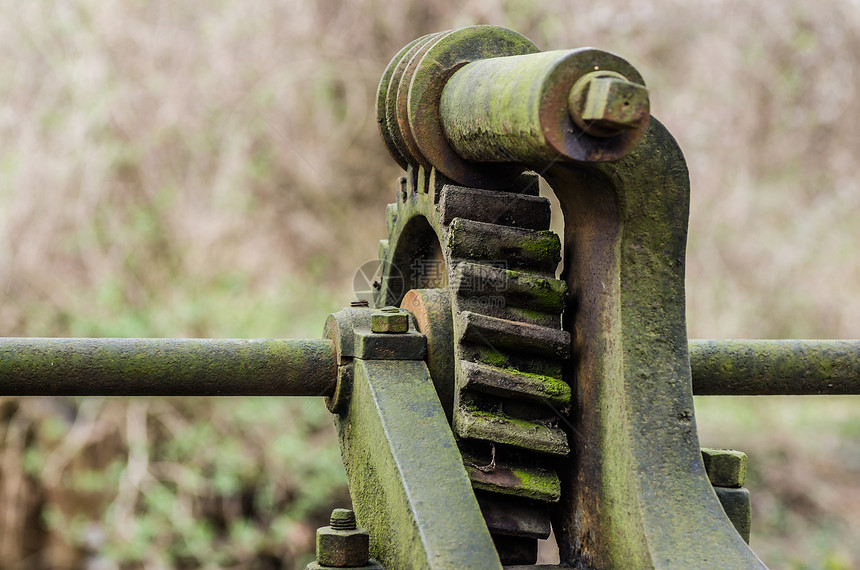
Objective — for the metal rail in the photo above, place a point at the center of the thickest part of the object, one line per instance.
(166, 367)
(775, 367)
(307, 367)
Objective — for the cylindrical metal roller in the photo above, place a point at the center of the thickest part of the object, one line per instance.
(775, 367)
(166, 367)
(480, 104)
(519, 108)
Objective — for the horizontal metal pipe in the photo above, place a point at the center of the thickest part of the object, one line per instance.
(775, 367)
(166, 367)
(267, 367)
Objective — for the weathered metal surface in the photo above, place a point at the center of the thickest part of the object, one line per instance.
(775, 367)
(634, 489)
(166, 367)
(352, 332)
(478, 281)
(497, 474)
(382, 104)
(389, 320)
(725, 467)
(515, 384)
(512, 518)
(475, 421)
(409, 92)
(477, 106)
(605, 103)
(496, 333)
(448, 53)
(454, 100)
(388, 123)
(521, 210)
(342, 544)
(737, 505)
(500, 273)
(516, 248)
(432, 311)
(401, 99)
(517, 109)
(406, 477)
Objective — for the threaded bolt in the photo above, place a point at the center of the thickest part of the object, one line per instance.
(342, 519)
(342, 545)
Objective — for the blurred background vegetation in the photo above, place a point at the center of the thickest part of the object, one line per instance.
(212, 169)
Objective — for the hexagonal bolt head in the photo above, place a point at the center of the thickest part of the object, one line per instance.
(725, 467)
(604, 103)
(389, 321)
(342, 548)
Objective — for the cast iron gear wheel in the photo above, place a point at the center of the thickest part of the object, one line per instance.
(480, 264)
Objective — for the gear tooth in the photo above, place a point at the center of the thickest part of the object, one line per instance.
(509, 346)
(504, 359)
(526, 183)
(518, 480)
(492, 207)
(511, 383)
(382, 251)
(539, 250)
(470, 422)
(390, 217)
(513, 517)
(519, 288)
(515, 336)
(402, 190)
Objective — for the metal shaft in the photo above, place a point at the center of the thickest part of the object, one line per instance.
(266, 367)
(775, 367)
(544, 107)
(166, 367)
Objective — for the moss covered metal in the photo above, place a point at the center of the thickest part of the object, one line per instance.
(408, 98)
(501, 385)
(633, 490)
(517, 109)
(166, 367)
(406, 477)
(775, 367)
(725, 467)
(635, 494)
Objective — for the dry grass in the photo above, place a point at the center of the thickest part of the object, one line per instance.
(201, 169)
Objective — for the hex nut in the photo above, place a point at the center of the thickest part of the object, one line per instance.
(614, 100)
(725, 467)
(604, 103)
(342, 548)
(389, 322)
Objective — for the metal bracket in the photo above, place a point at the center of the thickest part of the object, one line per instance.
(406, 477)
